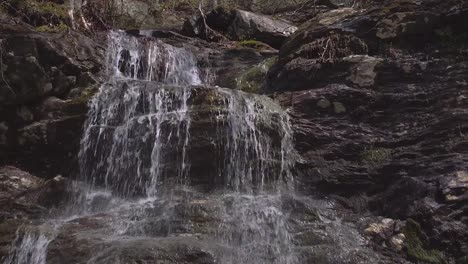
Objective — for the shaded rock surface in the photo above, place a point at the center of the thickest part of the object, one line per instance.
(47, 79)
(377, 101)
(25, 199)
(241, 25)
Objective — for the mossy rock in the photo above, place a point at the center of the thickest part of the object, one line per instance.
(415, 247)
(39, 13)
(60, 28)
(376, 156)
(253, 44)
(85, 96)
(252, 80)
(45, 8)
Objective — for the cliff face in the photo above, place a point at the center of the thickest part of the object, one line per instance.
(377, 96)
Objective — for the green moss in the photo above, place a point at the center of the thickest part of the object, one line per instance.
(376, 156)
(415, 246)
(45, 8)
(254, 44)
(252, 80)
(86, 95)
(60, 28)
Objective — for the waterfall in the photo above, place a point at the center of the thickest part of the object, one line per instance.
(158, 146)
(32, 249)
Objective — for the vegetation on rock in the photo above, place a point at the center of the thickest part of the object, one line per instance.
(415, 247)
(376, 156)
(85, 96)
(254, 44)
(252, 80)
(38, 13)
(60, 28)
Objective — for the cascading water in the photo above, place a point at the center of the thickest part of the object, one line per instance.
(159, 148)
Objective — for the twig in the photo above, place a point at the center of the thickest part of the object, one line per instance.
(1, 70)
(200, 9)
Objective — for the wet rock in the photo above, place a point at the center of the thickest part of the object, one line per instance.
(211, 111)
(24, 199)
(253, 79)
(15, 183)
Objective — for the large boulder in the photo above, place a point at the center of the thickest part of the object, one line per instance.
(247, 25)
(208, 124)
(240, 25)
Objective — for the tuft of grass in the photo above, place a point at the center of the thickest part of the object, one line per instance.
(415, 246)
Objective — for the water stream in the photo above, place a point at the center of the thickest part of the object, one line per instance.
(164, 157)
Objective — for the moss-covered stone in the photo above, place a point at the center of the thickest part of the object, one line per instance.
(252, 80)
(254, 44)
(60, 28)
(376, 156)
(38, 13)
(415, 247)
(85, 96)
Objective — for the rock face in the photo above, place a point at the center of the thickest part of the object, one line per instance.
(241, 25)
(378, 114)
(247, 25)
(24, 199)
(226, 65)
(376, 96)
(205, 119)
(46, 80)
(189, 232)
